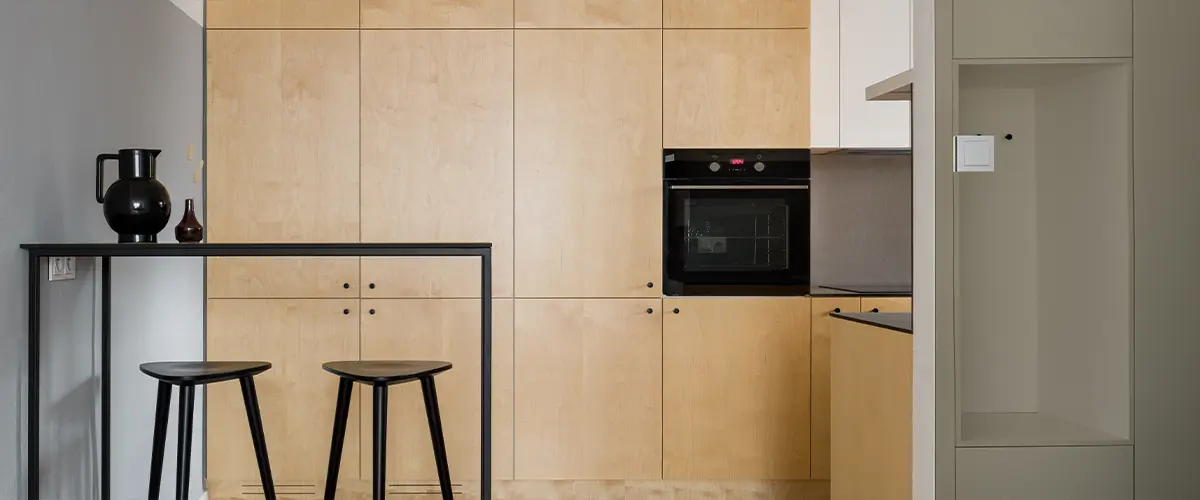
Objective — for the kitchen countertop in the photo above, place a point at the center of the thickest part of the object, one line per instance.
(900, 322)
(776, 291)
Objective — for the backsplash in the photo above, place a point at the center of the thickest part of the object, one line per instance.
(861, 220)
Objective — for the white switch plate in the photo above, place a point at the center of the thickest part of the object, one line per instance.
(974, 153)
(62, 268)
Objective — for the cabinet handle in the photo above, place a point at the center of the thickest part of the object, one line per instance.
(372, 311)
(346, 286)
(371, 286)
(345, 311)
(837, 309)
(649, 284)
(676, 310)
(875, 310)
(649, 310)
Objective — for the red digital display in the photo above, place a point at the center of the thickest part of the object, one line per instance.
(737, 161)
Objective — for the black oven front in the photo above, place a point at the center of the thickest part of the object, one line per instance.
(736, 222)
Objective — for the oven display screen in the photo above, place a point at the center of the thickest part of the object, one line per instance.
(737, 161)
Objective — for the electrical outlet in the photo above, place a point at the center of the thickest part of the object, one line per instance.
(62, 268)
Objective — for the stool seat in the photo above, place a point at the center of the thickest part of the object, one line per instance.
(385, 372)
(203, 372)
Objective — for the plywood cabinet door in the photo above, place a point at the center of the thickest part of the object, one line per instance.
(736, 88)
(296, 396)
(822, 332)
(445, 330)
(887, 304)
(588, 389)
(875, 45)
(588, 163)
(437, 157)
(589, 13)
(281, 14)
(736, 13)
(736, 388)
(437, 13)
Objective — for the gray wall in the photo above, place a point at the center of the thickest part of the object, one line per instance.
(862, 220)
(81, 77)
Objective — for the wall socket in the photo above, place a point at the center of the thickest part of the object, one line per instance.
(62, 268)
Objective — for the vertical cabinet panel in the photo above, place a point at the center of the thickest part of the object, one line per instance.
(437, 156)
(437, 13)
(588, 389)
(588, 163)
(825, 83)
(887, 304)
(281, 14)
(447, 330)
(822, 332)
(736, 88)
(297, 397)
(589, 13)
(875, 41)
(736, 389)
(736, 13)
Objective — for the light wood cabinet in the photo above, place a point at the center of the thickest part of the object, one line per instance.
(887, 304)
(437, 156)
(822, 332)
(736, 388)
(589, 394)
(736, 13)
(281, 14)
(296, 396)
(1000, 29)
(446, 330)
(436, 13)
(589, 13)
(736, 88)
(283, 277)
(588, 163)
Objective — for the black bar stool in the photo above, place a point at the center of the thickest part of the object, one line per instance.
(187, 375)
(380, 375)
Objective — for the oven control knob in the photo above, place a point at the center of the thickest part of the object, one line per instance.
(714, 166)
(760, 166)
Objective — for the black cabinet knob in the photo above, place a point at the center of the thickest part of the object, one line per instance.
(837, 309)
(649, 310)
(345, 311)
(371, 286)
(650, 284)
(346, 286)
(675, 310)
(875, 310)
(372, 312)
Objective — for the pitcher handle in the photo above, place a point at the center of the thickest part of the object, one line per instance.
(100, 159)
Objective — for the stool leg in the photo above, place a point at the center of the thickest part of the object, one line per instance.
(345, 390)
(439, 441)
(183, 464)
(379, 472)
(162, 412)
(254, 416)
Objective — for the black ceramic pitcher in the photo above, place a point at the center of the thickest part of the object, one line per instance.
(137, 206)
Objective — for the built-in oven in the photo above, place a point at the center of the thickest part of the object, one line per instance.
(736, 222)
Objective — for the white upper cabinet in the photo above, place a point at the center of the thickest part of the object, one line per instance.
(855, 44)
(1013, 29)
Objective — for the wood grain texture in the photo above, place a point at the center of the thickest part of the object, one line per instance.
(437, 154)
(822, 332)
(446, 330)
(736, 388)
(736, 13)
(589, 13)
(736, 88)
(297, 398)
(887, 304)
(589, 167)
(427, 277)
(281, 14)
(437, 14)
(588, 389)
(282, 277)
(558, 490)
(282, 160)
(872, 413)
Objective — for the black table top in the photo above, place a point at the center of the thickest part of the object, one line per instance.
(254, 249)
(900, 322)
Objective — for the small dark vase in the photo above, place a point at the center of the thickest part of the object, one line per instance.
(189, 229)
(136, 206)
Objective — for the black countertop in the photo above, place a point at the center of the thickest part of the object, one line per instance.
(900, 322)
(775, 291)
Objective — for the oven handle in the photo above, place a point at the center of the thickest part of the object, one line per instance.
(739, 187)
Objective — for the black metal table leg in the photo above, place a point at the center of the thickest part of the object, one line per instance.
(106, 378)
(486, 389)
(340, 415)
(183, 467)
(379, 451)
(34, 410)
(162, 414)
(439, 440)
(254, 416)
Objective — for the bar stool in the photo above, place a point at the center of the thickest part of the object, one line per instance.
(187, 375)
(380, 375)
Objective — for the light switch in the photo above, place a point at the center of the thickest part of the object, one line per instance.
(974, 153)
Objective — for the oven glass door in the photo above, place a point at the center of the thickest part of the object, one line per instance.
(737, 234)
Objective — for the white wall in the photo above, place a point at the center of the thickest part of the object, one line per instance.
(83, 77)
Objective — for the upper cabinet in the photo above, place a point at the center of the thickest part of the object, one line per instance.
(435, 13)
(736, 13)
(998, 29)
(735, 88)
(589, 13)
(281, 14)
(437, 156)
(588, 163)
